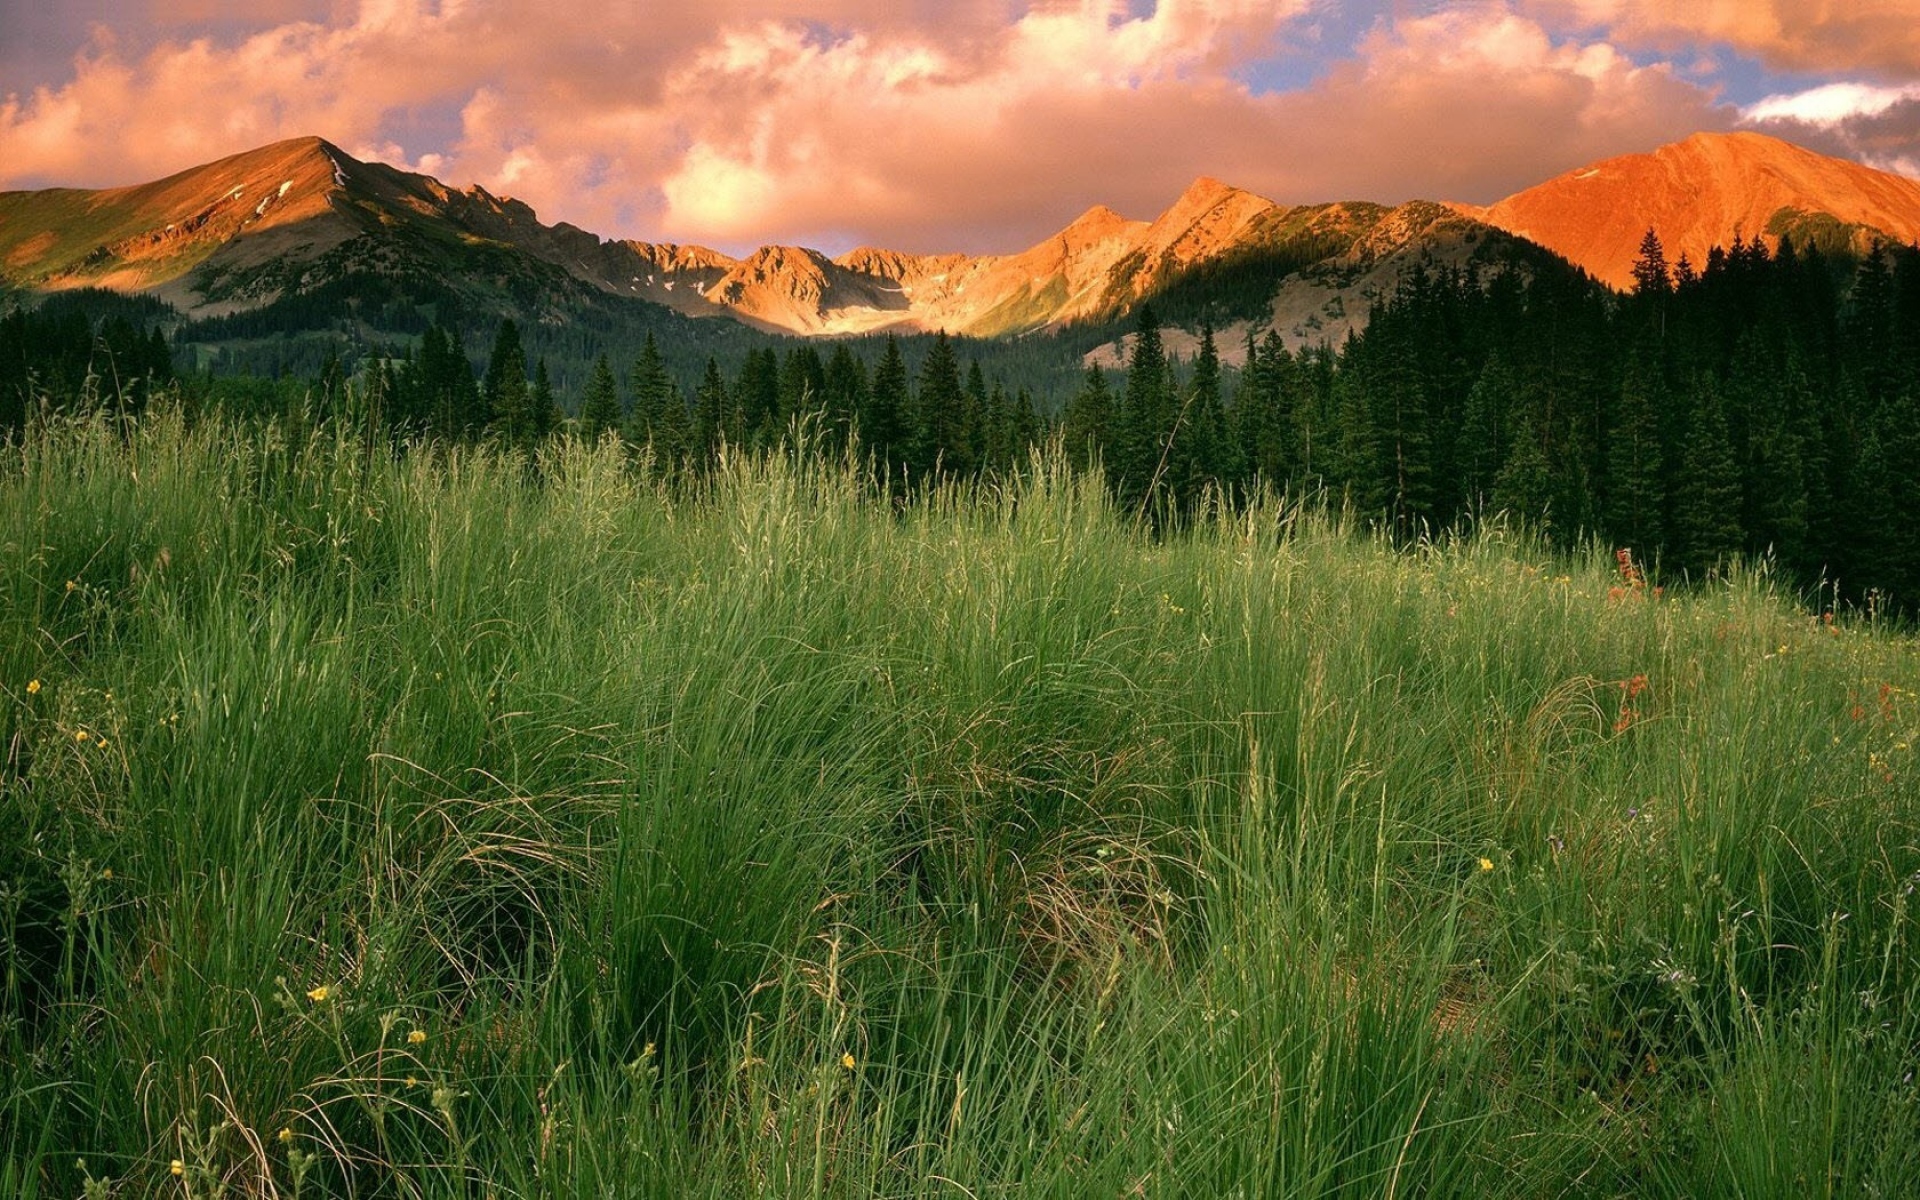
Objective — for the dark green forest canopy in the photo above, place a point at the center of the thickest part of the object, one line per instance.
(1763, 403)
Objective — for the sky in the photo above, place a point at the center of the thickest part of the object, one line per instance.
(968, 125)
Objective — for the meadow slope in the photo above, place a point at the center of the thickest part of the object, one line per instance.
(440, 825)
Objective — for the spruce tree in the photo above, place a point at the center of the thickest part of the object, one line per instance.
(1524, 487)
(1897, 500)
(803, 383)
(883, 423)
(647, 380)
(600, 409)
(1353, 454)
(546, 409)
(1706, 506)
(757, 395)
(1636, 493)
(1482, 444)
(846, 396)
(509, 400)
(938, 437)
(973, 413)
(1208, 445)
(1145, 424)
(1088, 417)
(715, 418)
(1650, 274)
(997, 447)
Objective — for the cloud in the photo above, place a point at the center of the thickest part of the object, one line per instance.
(1475, 103)
(1875, 124)
(1881, 36)
(968, 126)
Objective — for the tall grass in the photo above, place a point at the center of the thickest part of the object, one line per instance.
(454, 825)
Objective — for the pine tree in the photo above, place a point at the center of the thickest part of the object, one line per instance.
(600, 409)
(1524, 488)
(715, 418)
(1406, 443)
(803, 383)
(509, 400)
(1269, 425)
(1896, 499)
(1706, 507)
(546, 409)
(1353, 454)
(997, 432)
(1636, 493)
(846, 396)
(646, 380)
(1145, 423)
(1027, 424)
(1204, 457)
(883, 423)
(757, 394)
(973, 413)
(938, 436)
(659, 417)
(1482, 445)
(1088, 417)
(1773, 483)
(446, 398)
(1650, 274)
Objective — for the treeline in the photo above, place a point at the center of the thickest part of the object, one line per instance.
(938, 418)
(59, 353)
(1764, 403)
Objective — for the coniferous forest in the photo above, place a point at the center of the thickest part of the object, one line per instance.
(1763, 404)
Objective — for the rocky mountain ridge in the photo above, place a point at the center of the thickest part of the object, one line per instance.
(287, 218)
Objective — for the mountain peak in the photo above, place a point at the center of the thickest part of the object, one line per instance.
(1205, 190)
(1097, 222)
(1700, 192)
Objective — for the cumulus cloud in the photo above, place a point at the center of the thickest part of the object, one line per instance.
(1876, 124)
(974, 126)
(1798, 35)
(1474, 103)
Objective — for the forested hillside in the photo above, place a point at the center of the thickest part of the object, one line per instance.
(1762, 404)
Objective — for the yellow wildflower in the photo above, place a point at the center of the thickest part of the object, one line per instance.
(1486, 864)
(33, 687)
(79, 735)
(285, 1135)
(319, 995)
(70, 586)
(417, 1037)
(176, 1166)
(847, 1061)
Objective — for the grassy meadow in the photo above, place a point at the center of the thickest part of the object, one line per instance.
(451, 825)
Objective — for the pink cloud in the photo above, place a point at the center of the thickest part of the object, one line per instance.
(927, 127)
(1798, 35)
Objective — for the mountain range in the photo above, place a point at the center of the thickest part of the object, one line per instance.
(290, 220)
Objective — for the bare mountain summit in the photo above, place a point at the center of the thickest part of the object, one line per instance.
(1704, 192)
(297, 217)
